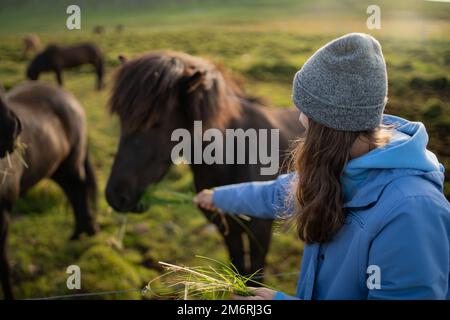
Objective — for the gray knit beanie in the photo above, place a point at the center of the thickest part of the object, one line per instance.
(344, 84)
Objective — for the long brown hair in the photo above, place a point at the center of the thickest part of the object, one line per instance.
(320, 158)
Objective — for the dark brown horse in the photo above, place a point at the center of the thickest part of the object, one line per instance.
(159, 92)
(55, 134)
(56, 58)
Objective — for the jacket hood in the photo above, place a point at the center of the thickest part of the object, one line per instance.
(405, 154)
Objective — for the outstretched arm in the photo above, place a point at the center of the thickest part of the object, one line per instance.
(267, 199)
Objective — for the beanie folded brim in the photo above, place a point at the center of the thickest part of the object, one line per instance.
(345, 118)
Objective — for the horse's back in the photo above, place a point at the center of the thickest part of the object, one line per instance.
(39, 97)
(54, 129)
(81, 53)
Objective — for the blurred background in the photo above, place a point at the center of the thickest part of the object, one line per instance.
(263, 43)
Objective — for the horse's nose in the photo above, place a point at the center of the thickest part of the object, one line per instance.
(117, 198)
(123, 201)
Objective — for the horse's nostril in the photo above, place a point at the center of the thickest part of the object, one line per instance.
(123, 201)
(116, 198)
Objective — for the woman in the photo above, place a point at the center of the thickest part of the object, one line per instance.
(366, 195)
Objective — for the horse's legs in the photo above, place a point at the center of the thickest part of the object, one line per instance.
(5, 269)
(260, 234)
(76, 189)
(247, 246)
(99, 70)
(59, 77)
(234, 242)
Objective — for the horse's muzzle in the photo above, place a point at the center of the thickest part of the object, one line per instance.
(122, 203)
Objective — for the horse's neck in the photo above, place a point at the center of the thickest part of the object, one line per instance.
(252, 116)
(256, 116)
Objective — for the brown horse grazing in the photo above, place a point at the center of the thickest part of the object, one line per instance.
(55, 58)
(31, 43)
(55, 134)
(98, 30)
(159, 92)
(119, 28)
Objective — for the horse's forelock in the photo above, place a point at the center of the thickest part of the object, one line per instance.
(148, 88)
(140, 88)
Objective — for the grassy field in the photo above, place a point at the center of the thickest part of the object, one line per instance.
(263, 43)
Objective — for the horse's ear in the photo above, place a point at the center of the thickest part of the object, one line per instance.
(122, 59)
(195, 80)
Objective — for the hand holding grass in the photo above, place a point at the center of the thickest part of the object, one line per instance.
(204, 199)
(212, 281)
(258, 294)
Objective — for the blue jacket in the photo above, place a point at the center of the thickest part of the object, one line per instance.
(395, 243)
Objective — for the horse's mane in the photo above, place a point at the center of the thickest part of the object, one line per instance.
(154, 85)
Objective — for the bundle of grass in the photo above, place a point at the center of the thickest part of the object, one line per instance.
(19, 154)
(201, 282)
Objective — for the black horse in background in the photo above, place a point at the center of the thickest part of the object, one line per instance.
(157, 93)
(56, 58)
(52, 125)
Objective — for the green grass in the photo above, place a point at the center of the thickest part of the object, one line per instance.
(214, 281)
(263, 45)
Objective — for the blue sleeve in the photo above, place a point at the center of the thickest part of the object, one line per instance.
(283, 296)
(411, 251)
(266, 199)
